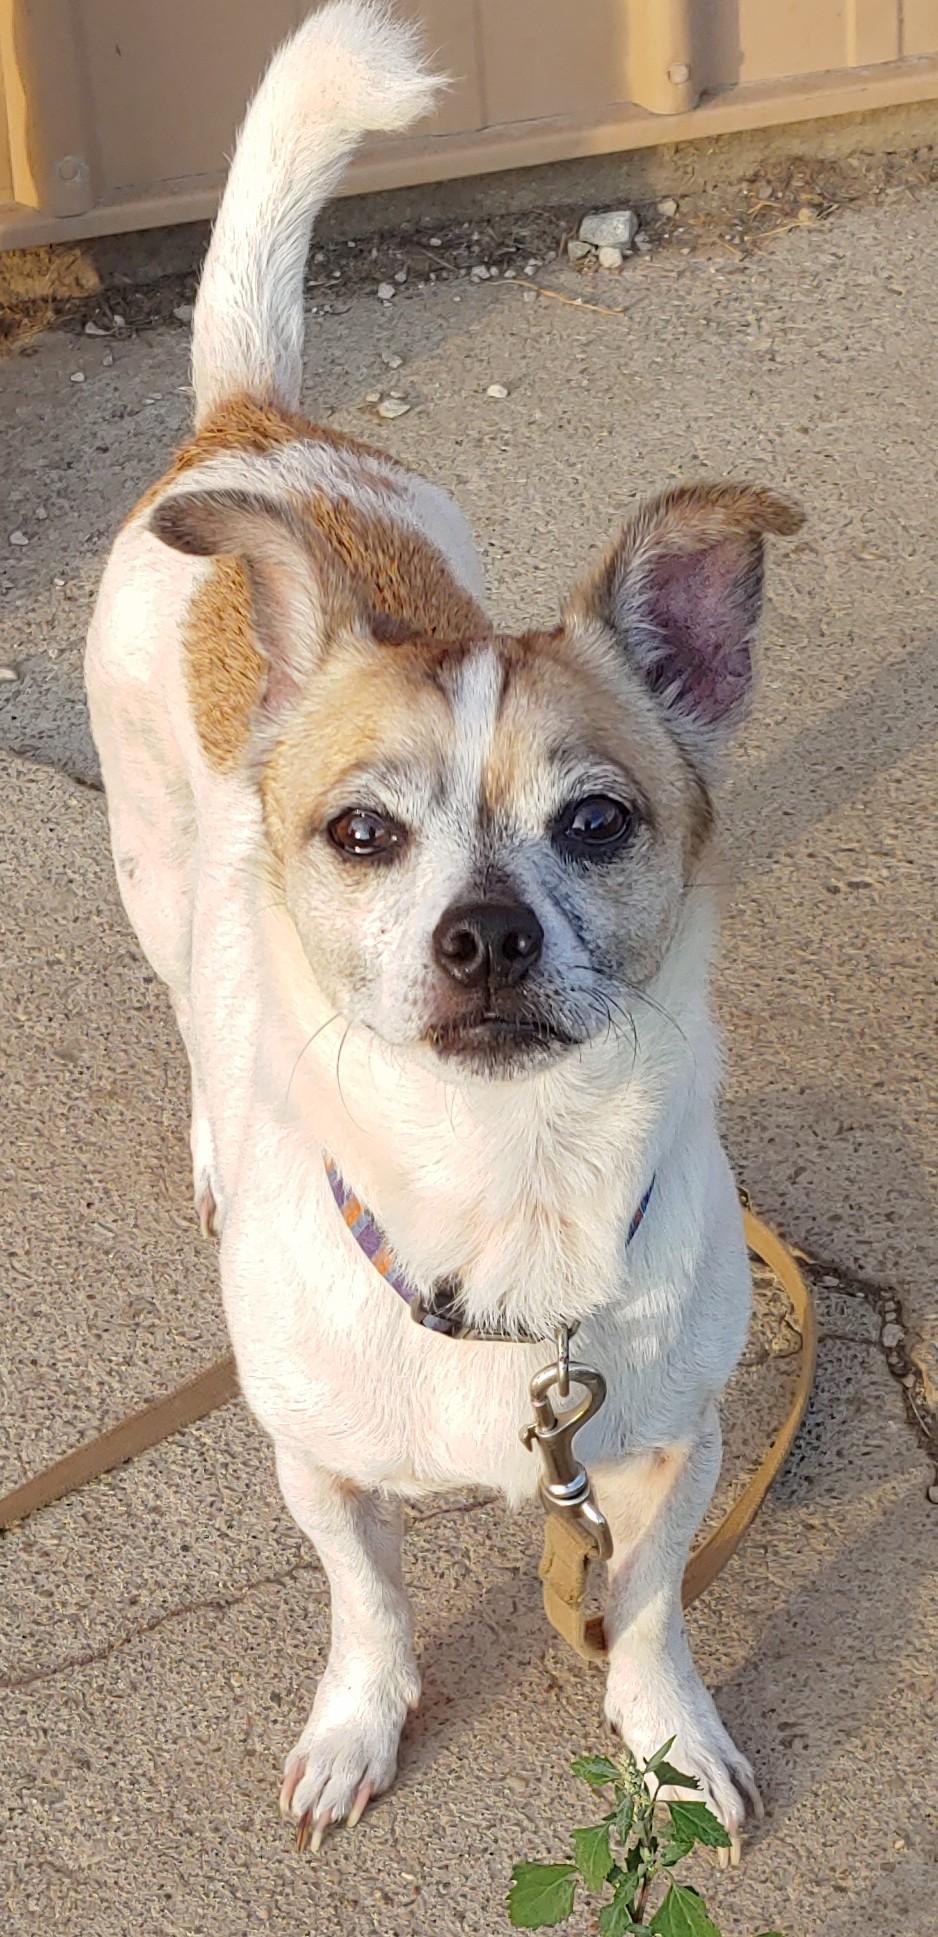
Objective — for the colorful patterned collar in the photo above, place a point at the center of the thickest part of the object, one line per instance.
(442, 1314)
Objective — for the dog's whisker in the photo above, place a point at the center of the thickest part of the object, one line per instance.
(308, 1045)
(338, 1076)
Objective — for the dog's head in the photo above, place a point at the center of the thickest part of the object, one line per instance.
(486, 840)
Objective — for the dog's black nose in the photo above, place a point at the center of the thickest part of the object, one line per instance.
(494, 942)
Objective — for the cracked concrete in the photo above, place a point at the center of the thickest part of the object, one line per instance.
(161, 1632)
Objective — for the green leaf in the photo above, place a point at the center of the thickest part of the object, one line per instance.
(682, 1914)
(659, 1755)
(541, 1894)
(695, 1820)
(666, 1773)
(674, 1850)
(624, 1817)
(616, 1917)
(597, 1770)
(592, 1854)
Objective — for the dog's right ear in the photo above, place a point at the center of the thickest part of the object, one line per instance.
(681, 593)
(298, 594)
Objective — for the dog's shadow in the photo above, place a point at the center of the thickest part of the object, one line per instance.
(495, 1652)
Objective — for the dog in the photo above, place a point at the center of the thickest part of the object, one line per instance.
(431, 904)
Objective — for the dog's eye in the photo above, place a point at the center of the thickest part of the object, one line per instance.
(593, 827)
(362, 832)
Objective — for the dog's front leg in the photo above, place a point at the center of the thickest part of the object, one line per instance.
(654, 1503)
(347, 1752)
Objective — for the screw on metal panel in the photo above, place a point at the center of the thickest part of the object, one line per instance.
(71, 168)
(679, 73)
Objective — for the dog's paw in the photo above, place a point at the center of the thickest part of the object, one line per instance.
(654, 1708)
(346, 1755)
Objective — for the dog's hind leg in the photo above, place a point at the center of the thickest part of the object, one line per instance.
(347, 1752)
(654, 1503)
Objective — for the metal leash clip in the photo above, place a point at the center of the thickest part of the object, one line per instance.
(566, 1488)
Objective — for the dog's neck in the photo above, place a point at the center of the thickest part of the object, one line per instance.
(523, 1188)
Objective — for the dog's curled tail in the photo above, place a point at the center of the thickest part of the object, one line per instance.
(350, 68)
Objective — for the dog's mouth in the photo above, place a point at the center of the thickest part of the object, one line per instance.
(494, 1044)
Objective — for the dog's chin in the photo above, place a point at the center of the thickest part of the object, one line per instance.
(498, 1047)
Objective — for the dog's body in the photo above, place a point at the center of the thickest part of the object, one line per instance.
(291, 629)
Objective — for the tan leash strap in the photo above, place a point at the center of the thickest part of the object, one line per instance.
(565, 1566)
(203, 1394)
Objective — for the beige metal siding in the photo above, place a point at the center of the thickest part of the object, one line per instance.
(919, 27)
(120, 113)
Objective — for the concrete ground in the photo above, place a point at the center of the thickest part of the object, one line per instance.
(161, 1632)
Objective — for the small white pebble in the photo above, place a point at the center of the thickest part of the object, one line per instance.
(479, 273)
(393, 407)
(400, 275)
(610, 257)
(8, 675)
(41, 513)
(933, 1495)
(372, 396)
(391, 358)
(510, 275)
(120, 322)
(385, 292)
(667, 206)
(496, 390)
(891, 1336)
(18, 538)
(436, 242)
(94, 329)
(59, 582)
(77, 376)
(183, 312)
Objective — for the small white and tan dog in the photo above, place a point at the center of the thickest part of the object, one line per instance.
(429, 903)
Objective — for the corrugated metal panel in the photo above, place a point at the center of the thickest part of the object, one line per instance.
(121, 115)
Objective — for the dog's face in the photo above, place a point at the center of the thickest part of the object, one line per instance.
(486, 842)
(488, 851)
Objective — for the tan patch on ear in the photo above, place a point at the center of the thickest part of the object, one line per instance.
(402, 575)
(224, 668)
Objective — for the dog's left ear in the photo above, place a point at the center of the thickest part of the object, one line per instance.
(682, 593)
(299, 593)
